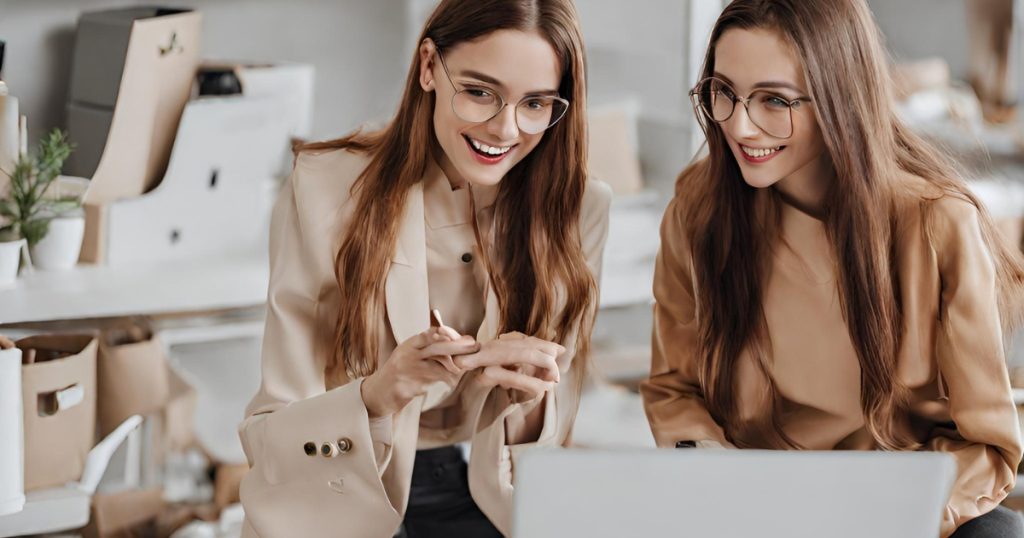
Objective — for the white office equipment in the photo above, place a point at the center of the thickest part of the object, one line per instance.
(66, 508)
(12, 478)
(731, 493)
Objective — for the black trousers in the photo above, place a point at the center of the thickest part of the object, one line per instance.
(439, 500)
(999, 523)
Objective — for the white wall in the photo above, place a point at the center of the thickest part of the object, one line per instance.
(916, 29)
(357, 46)
(640, 50)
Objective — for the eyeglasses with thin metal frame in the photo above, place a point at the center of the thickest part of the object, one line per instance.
(715, 100)
(480, 104)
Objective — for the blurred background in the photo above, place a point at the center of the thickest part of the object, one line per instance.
(140, 316)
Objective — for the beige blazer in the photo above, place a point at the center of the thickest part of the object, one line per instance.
(289, 493)
(950, 357)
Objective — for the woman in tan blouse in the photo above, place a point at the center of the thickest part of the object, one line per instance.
(825, 280)
(474, 202)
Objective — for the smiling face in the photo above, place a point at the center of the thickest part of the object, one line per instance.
(509, 63)
(758, 60)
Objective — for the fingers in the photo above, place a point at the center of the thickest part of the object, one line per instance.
(547, 374)
(440, 371)
(422, 339)
(530, 342)
(449, 365)
(550, 348)
(449, 332)
(509, 379)
(461, 346)
(436, 334)
(513, 352)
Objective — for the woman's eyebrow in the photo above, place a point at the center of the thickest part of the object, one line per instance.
(778, 84)
(483, 77)
(765, 84)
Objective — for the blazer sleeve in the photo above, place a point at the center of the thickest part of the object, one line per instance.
(287, 492)
(969, 354)
(493, 458)
(672, 396)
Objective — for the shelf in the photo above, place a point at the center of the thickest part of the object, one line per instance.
(48, 510)
(141, 289)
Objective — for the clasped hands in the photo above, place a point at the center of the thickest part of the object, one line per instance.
(514, 361)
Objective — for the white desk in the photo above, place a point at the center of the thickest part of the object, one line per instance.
(97, 291)
(48, 510)
(90, 291)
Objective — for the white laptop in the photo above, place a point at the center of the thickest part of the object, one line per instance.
(730, 493)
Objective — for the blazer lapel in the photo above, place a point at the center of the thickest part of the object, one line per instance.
(405, 290)
(492, 314)
(489, 327)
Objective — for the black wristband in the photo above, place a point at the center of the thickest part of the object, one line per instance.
(686, 444)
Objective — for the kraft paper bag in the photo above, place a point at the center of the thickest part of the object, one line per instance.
(59, 402)
(132, 375)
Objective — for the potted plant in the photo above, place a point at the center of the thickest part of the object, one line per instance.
(49, 221)
(10, 257)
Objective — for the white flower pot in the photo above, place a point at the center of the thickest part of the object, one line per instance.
(12, 478)
(10, 257)
(60, 248)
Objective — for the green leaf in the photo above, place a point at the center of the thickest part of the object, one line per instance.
(54, 149)
(62, 207)
(9, 233)
(8, 209)
(35, 230)
(25, 206)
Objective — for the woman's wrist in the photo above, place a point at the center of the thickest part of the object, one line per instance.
(376, 406)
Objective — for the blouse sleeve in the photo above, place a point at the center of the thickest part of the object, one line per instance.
(293, 412)
(969, 353)
(672, 396)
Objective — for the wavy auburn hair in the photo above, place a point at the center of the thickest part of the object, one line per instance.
(540, 260)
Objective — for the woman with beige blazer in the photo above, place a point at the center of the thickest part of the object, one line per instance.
(825, 279)
(473, 202)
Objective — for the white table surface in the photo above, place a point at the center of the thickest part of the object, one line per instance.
(90, 291)
(48, 510)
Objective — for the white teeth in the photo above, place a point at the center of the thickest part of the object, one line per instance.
(759, 152)
(490, 150)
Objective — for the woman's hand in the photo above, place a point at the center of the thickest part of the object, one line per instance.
(516, 362)
(413, 366)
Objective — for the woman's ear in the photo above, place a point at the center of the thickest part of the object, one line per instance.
(427, 54)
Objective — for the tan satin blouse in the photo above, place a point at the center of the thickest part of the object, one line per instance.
(951, 355)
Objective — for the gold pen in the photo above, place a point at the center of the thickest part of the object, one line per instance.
(446, 360)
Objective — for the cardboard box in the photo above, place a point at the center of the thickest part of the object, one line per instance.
(179, 414)
(226, 482)
(131, 374)
(59, 402)
(125, 513)
(138, 65)
(83, 119)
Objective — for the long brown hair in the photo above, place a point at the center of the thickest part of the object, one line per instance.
(536, 212)
(846, 69)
